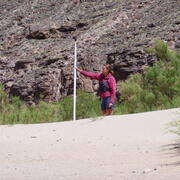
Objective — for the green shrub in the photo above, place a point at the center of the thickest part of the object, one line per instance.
(3, 96)
(14, 111)
(157, 87)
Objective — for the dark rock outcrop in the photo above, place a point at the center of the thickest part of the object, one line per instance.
(37, 47)
(128, 62)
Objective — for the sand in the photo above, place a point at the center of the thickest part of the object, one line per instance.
(126, 147)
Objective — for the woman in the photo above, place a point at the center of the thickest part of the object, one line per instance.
(107, 87)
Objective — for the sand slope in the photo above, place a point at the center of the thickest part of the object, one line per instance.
(126, 147)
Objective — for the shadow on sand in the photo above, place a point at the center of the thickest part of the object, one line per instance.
(172, 150)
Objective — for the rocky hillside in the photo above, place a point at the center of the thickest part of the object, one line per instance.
(37, 47)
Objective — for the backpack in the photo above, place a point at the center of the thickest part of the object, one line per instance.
(103, 86)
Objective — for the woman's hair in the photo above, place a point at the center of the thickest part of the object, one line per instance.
(108, 67)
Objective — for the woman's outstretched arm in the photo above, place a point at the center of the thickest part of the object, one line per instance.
(89, 74)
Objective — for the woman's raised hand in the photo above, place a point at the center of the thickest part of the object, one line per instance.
(78, 69)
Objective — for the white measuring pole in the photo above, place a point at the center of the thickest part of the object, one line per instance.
(75, 74)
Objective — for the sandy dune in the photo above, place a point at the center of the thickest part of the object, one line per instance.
(126, 147)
